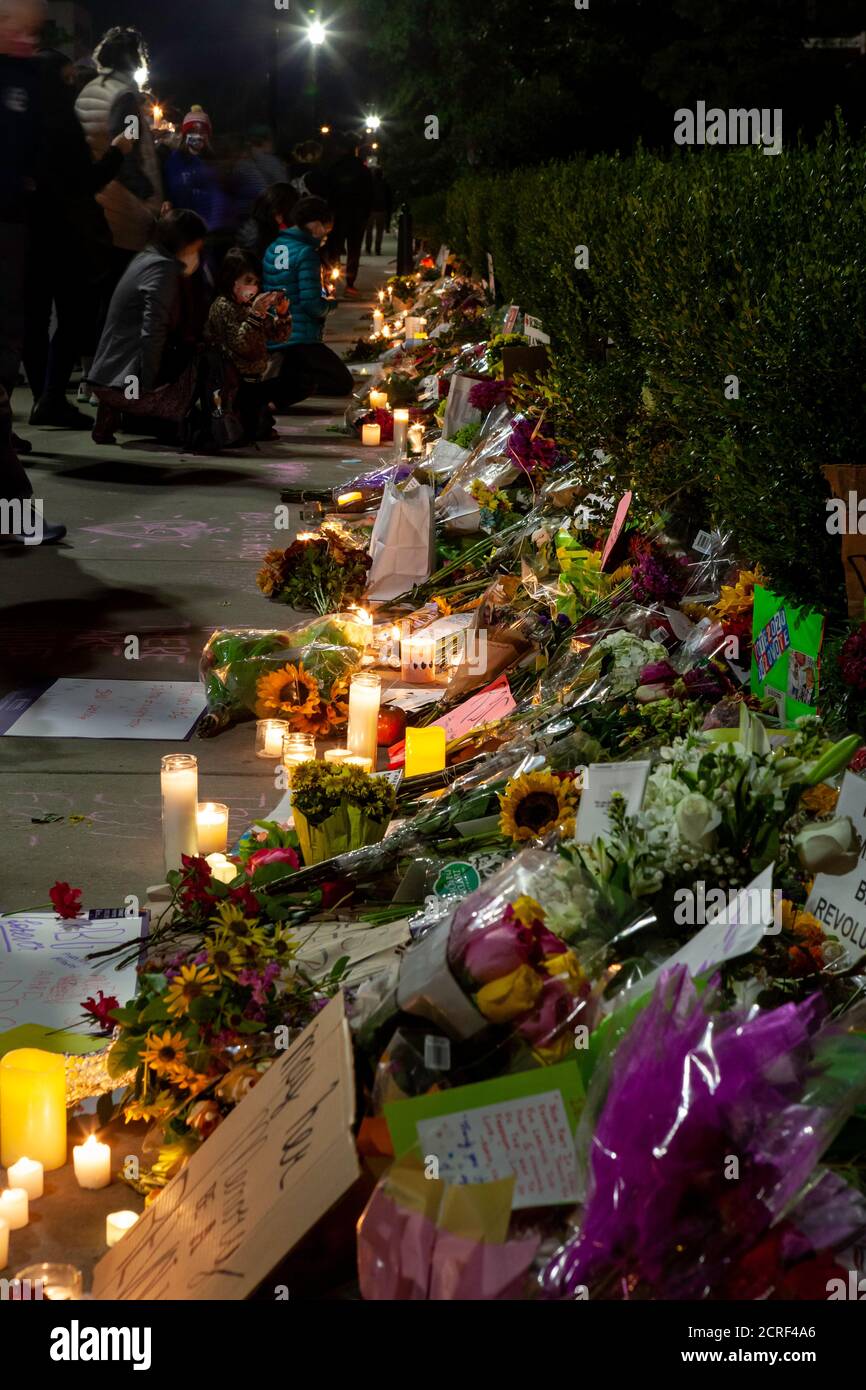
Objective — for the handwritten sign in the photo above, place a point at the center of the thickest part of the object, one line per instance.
(839, 900)
(276, 1164)
(112, 709)
(601, 782)
(616, 529)
(491, 703)
(44, 973)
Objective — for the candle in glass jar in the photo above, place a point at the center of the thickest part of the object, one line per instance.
(416, 439)
(33, 1107)
(29, 1174)
(212, 819)
(401, 430)
(378, 320)
(60, 1283)
(179, 782)
(15, 1207)
(297, 749)
(378, 400)
(221, 868)
(371, 434)
(117, 1223)
(270, 734)
(92, 1163)
(365, 693)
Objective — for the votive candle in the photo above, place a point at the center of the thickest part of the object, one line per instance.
(92, 1163)
(401, 431)
(29, 1174)
(179, 782)
(33, 1107)
(365, 694)
(117, 1223)
(269, 736)
(297, 749)
(378, 320)
(371, 434)
(221, 868)
(378, 400)
(212, 819)
(15, 1207)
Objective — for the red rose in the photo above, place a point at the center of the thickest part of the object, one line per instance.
(66, 900)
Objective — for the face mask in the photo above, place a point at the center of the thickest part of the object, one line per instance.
(195, 143)
(190, 262)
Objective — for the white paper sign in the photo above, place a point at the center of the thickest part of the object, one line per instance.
(532, 330)
(839, 900)
(276, 1164)
(734, 931)
(601, 782)
(528, 1138)
(44, 975)
(410, 697)
(113, 709)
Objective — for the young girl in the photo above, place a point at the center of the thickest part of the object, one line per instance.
(241, 323)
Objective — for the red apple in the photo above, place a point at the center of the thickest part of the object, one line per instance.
(392, 725)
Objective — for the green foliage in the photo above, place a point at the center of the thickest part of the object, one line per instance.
(702, 267)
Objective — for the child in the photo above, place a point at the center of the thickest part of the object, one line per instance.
(241, 323)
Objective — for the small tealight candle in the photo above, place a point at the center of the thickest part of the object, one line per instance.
(269, 736)
(401, 430)
(378, 400)
(15, 1207)
(92, 1163)
(371, 434)
(336, 755)
(221, 868)
(4, 1243)
(213, 827)
(29, 1174)
(117, 1223)
(425, 750)
(357, 760)
(378, 320)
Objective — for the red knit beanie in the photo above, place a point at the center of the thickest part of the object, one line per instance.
(198, 121)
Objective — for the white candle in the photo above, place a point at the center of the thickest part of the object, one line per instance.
(378, 320)
(378, 400)
(401, 430)
(365, 693)
(371, 434)
(14, 1207)
(4, 1243)
(29, 1174)
(92, 1163)
(269, 737)
(221, 868)
(416, 439)
(117, 1223)
(212, 819)
(179, 782)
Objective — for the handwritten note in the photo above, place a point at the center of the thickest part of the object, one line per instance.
(44, 973)
(493, 702)
(616, 529)
(112, 709)
(276, 1164)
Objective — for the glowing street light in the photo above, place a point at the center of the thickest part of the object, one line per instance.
(373, 122)
(316, 32)
(324, 130)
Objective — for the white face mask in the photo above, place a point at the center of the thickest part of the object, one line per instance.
(190, 262)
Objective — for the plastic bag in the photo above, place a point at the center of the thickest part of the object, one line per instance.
(402, 545)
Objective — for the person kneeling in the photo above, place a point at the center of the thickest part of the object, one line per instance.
(129, 374)
(240, 324)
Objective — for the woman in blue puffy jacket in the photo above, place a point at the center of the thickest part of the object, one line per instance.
(292, 264)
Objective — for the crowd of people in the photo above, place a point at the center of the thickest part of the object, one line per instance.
(192, 290)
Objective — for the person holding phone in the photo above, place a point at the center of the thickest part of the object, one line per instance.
(241, 323)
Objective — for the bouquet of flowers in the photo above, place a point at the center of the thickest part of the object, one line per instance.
(320, 569)
(338, 808)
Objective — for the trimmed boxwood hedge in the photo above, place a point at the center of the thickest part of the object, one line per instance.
(703, 265)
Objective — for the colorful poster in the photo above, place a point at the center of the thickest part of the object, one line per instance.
(786, 653)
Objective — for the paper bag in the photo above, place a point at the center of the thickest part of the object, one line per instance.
(402, 545)
(458, 411)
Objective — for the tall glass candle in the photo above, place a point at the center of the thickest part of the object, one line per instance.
(365, 694)
(269, 736)
(416, 439)
(401, 431)
(378, 320)
(212, 821)
(179, 782)
(33, 1107)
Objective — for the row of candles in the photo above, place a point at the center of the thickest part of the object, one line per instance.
(33, 1142)
(405, 435)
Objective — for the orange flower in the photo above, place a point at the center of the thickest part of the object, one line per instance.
(820, 800)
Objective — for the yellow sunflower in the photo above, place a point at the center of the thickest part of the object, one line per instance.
(166, 1055)
(223, 956)
(270, 577)
(188, 1079)
(736, 599)
(287, 692)
(534, 804)
(193, 982)
(231, 917)
(155, 1109)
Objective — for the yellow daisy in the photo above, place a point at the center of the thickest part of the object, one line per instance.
(192, 983)
(534, 804)
(287, 692)
(165, 1054)
(155, 1109)
(223, 956)
(231, 917)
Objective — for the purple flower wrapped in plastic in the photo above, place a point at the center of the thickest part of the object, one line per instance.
(487, 393)
(710, 1131)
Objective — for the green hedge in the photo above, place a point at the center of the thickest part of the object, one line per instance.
(702, 265)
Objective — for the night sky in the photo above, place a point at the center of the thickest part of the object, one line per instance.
(220, 52)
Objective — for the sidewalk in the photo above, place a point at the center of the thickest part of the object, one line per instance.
(165, 547)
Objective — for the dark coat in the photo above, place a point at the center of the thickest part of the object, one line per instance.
(139, 318)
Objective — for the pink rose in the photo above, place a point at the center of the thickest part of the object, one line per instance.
(272, 856)
(497, 951)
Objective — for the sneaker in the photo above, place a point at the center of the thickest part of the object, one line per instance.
(21, 446)
(59, 412)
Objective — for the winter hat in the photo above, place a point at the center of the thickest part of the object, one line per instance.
(197, 121)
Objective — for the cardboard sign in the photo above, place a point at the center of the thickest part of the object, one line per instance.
(616, 529)
(113, 709)
(44, 973)
(519, 1126)
(532, 330)
(370, 951)
(492, 703)
(839, 900)
(276, 1164)
(847, 480)
(601, 783)
(511, 318)
(786, 651)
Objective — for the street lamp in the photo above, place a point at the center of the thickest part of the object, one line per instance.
(373, 122)
(316, 32)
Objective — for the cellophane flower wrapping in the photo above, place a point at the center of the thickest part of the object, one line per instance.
(514, 968)
(701, 1141)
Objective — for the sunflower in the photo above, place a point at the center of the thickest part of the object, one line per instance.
(231, 917)
(223, 955)
(193, 982)
(736, 599)
(188, 1079)
(165, 1055)
(287, 692)
(155, 1109)
(535, 803)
